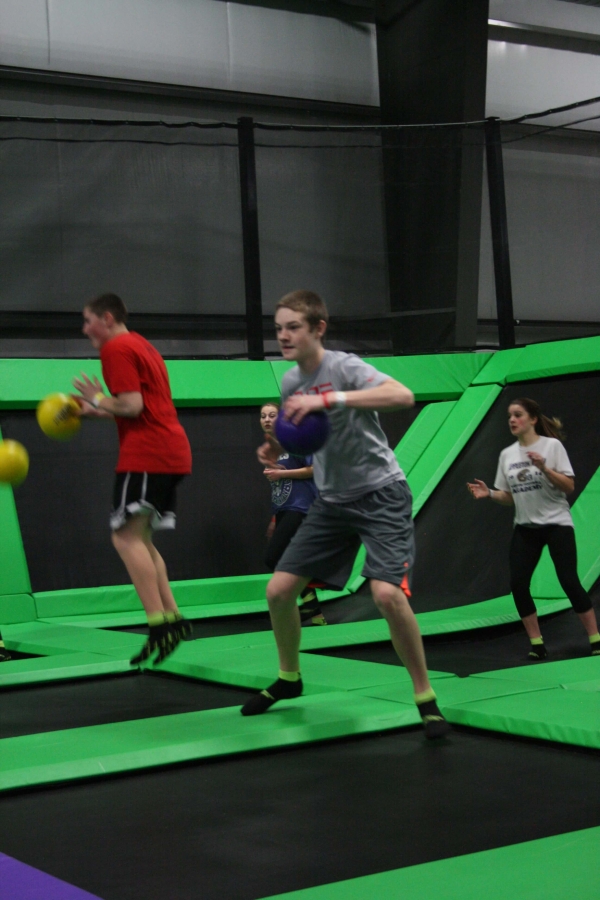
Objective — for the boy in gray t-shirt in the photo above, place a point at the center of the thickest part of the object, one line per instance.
(363, 497)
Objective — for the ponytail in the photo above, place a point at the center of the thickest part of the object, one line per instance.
(545, 426)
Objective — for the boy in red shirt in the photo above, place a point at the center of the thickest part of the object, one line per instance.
(154, 455)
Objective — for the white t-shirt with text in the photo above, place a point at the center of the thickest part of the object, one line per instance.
(537, 501)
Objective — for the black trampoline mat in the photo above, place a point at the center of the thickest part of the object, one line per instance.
(482, 650)
(99, 701)
(253, 826)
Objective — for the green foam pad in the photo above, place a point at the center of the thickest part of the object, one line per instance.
(563, 672)
(221, 382)
(124, 746)
(123, 597)
(46, 639)
(547, 869)
(556, 358)
(478, 615)
(421, 433)
(257, 667)
(498, 611)
(451, 691)
(593, 685)
(498, 366)
(59, 668)
(550, 714)
(14, 574)
(440, 376)
(17, 608)
(206, 611)
(24, 382)
(449, 440)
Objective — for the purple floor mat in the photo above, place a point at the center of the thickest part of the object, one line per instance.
(21, 882)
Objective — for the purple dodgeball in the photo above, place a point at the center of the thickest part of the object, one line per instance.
(305, 438)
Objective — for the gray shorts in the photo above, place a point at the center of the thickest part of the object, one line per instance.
(325, 545)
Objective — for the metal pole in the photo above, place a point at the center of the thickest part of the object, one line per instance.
(254, 332)
(495, 175)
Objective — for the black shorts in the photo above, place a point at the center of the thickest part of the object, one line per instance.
(144, 494)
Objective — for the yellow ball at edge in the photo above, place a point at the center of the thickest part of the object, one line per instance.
(14, 462)
(58, 417)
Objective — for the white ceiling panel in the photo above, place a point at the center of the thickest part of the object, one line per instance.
(298, 55)
(179, 42)
(24, 33)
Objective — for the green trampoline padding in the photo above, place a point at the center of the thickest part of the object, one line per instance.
(550, 714)
(60, 668)
(256, 667)
(552, 674)
(498, 366)
(50, 640)
(453, 691)
(17, 608)
(440, 376)
(545, 360)
(551, 868)
(556, 358)
(221, 382)
(143, 743)
(421, 433)
(14, 577)
(122, 598)
(449, 440)
(23, 382)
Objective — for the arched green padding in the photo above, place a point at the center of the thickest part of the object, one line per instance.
(498, 366)
(449, 440)
(17, 608)
(221, 382)
(442, 376)
(24, 382)
(542, 361)
(409, 450)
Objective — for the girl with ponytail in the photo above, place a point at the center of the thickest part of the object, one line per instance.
(535, 476)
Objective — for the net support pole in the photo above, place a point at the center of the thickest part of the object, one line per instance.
(499, 222)
(254, 331)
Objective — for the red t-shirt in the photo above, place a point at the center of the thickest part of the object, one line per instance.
(155, 442)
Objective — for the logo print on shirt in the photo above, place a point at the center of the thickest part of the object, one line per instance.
(316, 389)
(281, 490)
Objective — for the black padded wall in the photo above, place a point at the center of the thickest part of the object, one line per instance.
(223, 507)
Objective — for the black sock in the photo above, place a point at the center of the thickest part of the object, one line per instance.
(537, 652)
(279, 690)
(434, 723)
(162, 637)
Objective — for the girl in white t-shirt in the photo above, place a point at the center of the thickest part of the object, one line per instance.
(534, 475)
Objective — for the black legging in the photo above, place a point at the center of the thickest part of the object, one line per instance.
(525, 551)
(287, 523)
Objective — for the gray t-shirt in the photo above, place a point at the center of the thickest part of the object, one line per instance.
(356, 458)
